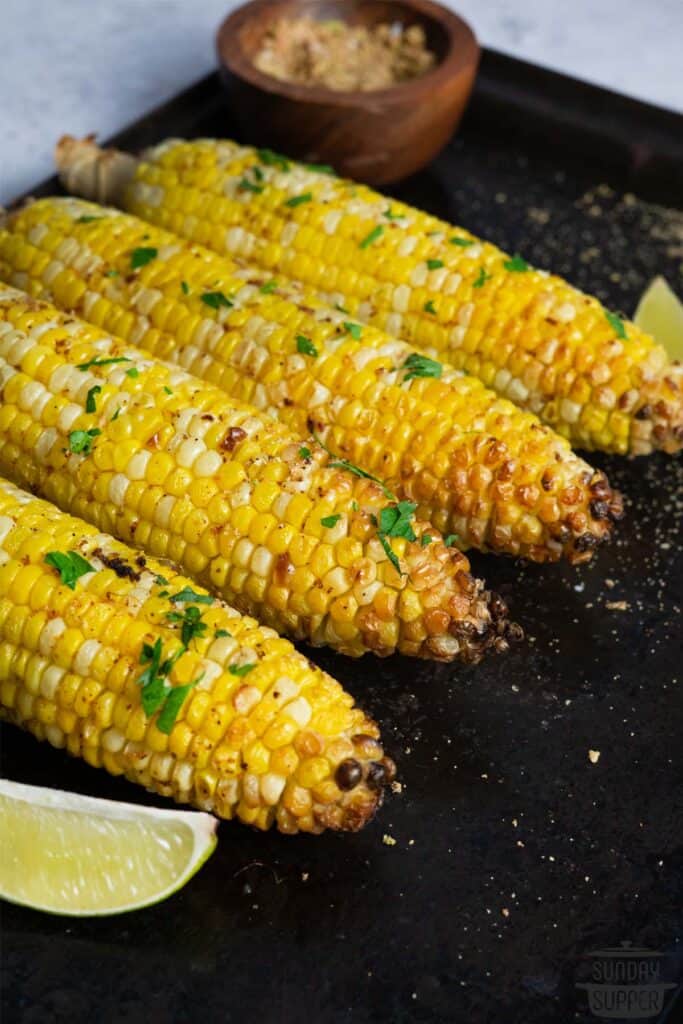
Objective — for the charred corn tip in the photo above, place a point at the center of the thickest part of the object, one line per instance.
(161, 460)
(527, 334)
(478, 467)
(261, 733)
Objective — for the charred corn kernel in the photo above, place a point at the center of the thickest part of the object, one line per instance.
(417, 278)
(201, 758)
(429, 438)
(165, 521)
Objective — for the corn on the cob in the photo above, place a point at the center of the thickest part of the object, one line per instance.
(594, 377)
(478, 467)
(258, 732)
(159, 459)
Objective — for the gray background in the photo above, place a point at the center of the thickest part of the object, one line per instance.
(91, 65)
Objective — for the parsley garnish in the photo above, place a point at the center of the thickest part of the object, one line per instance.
(342, 309)
(355, 330)
(248, 186)
(90, 404)
(329, 521)
(191, 624)
(271, 159)
(354, 505)
(482, 278)
(268, 288)
(462, 242)
(450, 540)
(184, 287)
(240, 670)
(117, 413)
(425, 540)
(390, 553)
(141, 257)
(220, 633)
(102, 362)
(305, 346)
(70, 566)
(435, 264)
(187, 596)
(133, 372)
(517, 265)
(429, 307)
(304, 453)
(160, 580)
(376, 233)
(81, 441)
(258, 173)
(87, 218)
(421, 366)
(390, 215)
(394, 521)
(112, 273)
(305, 197)
(617, 325)
(216, 299)
(356, 470)
(155, 691)
(321, 169)
(167, 389)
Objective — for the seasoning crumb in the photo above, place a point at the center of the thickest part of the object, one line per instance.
(505, 912)
(396, 787)
(388, 840)
(304, 876)
(593, 756)
(610, 584)
(617, 606)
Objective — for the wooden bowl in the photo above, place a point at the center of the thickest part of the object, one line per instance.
(379, 136)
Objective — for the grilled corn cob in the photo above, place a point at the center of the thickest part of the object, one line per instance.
(243, 726)
(159, 459)
(477, 466)
(593, 377)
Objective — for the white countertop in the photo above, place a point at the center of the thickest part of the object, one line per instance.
(83, 66)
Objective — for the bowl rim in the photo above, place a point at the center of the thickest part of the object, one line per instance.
(462, 53)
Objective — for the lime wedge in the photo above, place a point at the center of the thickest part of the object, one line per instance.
(71, 854)
(660, 313)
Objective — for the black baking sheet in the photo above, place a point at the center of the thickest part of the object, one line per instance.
(515, 856)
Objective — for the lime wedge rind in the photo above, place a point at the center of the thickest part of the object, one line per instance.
(79, 856)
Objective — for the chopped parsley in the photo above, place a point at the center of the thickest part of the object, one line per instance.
(112, 273)
(90, 403)
(482, 278)
(305, 346)
(103, 362)
(268, 288)
(188, 596)
(216, 300)
(240, 670)
(390, 215)
(248, 186)
(462, 242)
(81, 441)
(354, 505)
(321, 169)
(390, 553)
(156, 693)
(517, 265)
(167, 389)
(342, 309)
(70, 566)
(184, 287)
(617, 325)
(421, 366)
(258, 173)
(329, 521)
(450, 540)
(395, 521)
(338, 463)
(435, 264)
(142, 256)
(160, 580)
(191, 624)
(117, 413)
(376, 233)
(133, 372)
(88, 218)
(429, 307)
(294, 201)
(355, 330)
(220, 633)
(304, 453)
(425, 540)
(271, 159)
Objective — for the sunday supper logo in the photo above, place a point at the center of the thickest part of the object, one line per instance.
(628, 983)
